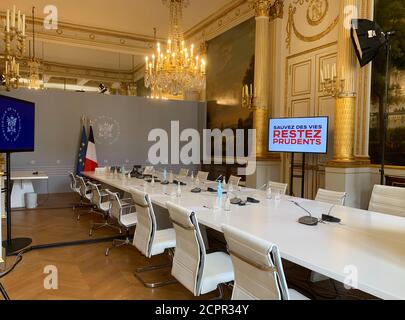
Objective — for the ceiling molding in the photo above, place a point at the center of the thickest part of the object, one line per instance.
(223, 21)
(230, 15)
(54, 69)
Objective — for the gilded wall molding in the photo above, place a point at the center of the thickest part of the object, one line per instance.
(292, 28)
(231, 16)
(261, 7)
(277, 10)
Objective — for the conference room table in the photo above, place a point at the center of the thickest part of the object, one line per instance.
(365, 251)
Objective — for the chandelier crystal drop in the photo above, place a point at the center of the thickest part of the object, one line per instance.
(176, 68)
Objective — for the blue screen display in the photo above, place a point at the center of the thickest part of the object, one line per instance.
(299, 135)
(17, 125)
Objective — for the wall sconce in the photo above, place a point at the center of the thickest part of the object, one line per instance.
(248, 96)
(331, 85)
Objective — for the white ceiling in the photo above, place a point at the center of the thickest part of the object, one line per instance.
(133, 16)
(129, 16)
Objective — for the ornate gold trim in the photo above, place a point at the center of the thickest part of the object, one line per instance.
(277, 10)
(213, 18)
(319, 21)
(261, 7)
(388, 167)
(291, 27)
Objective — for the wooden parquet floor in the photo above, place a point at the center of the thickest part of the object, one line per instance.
(84, 272)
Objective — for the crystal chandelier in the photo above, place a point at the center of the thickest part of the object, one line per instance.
(14, 37)
(175, 69)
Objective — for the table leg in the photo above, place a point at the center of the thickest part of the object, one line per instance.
(18, 193)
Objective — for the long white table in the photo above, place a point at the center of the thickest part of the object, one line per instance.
(367, 244)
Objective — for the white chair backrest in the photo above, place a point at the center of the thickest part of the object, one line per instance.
(96, 198)
(332, 197)
(234, 180)
(73, 182)
(189, 257)
(389, 200)
(115, 205)
(202, 176)
(183, 172)
(149, 170)
(259, 273)
(83, 186)
(146, 227)
(278, 187)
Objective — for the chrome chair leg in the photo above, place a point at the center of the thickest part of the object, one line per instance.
(153, 285)
(221, 294)
(118, 244)
(82, 206)
(106, 224)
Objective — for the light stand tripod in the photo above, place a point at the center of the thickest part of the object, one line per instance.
(4, 292)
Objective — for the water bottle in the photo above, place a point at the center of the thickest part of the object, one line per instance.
(153, 180)
(123, 171)
(165, 175)
(224, 184)
(219, 190)
(269, 193)
(171, 177)
(228, 203)
(178, 190)
(197, 181)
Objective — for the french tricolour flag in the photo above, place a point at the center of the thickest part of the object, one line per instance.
(90, 163)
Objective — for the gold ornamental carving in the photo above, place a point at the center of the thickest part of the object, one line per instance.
(277, 10)
(344, 129)
(316, 12)
(260, 122)
(261, 7)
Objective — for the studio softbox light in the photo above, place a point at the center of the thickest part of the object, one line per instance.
(368, 38)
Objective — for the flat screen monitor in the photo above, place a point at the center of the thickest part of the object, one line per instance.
(299, 135)
(17, 125)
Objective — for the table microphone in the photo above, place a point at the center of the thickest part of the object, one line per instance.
(307, 220)
(329, 218)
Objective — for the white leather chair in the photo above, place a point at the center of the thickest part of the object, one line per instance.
(332, 197)
(259, 273)
(198, 271)
(75, 187)
(86, 196)
(389, 200)
(123, 210)
(278, 187)
(183, 172)
(101, 201)
(202, 176)
(234, 180)
(148, 239)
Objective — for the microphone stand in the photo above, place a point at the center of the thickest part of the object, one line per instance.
(307, 220)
